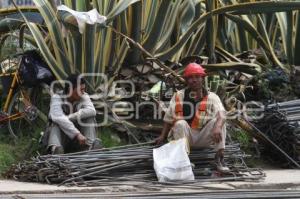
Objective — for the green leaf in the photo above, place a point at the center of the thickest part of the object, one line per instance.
(52, 63)
(120, 7)
(255, 34)
(158, 25)
(168, 28)
(242, 8)
(297, 41)
(150, 9)
(54, 29)
(82, 5)
(187, 15)
(239, 66)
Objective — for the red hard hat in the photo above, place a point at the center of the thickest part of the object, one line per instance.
(194, 69)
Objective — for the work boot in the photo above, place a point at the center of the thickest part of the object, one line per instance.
(220, 163)
(193, 166)
(56, 150)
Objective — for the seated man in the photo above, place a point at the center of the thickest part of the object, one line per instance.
(198, 115)
(72, 117)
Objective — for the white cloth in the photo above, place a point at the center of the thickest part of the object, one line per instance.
(90, 17)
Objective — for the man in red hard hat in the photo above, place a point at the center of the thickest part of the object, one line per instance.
(196, 114)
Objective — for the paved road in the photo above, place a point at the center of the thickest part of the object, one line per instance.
(278, 181)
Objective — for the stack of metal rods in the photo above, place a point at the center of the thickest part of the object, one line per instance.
(120, 164)
(290, 110)
(281, 123)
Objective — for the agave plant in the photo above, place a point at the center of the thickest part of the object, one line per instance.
(169, 30)
(165, 30)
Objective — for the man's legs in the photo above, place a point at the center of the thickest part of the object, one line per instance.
(56, 140)
(88, 129)
(204, 139)
(201, 139)
(181, 129)
(196, 138)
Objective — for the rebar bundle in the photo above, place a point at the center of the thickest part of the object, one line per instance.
(120, 164)
(281, 123)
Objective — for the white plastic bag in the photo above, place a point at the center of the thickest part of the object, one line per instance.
(171, 162)
(90, 17)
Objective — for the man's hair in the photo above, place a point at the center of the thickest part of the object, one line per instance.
(73, 80)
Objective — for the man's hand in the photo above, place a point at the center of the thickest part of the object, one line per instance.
(216, 135)
(163, 135)
(81, 139)
(160, 140)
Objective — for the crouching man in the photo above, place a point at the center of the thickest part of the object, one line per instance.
(198, 115)
(72, 117)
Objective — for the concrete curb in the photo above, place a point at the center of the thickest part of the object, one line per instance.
(275, 179)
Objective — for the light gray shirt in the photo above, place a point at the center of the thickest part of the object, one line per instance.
(81, 110)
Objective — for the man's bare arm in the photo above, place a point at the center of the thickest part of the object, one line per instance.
(221, 118)
(216, 131)
(166, 129)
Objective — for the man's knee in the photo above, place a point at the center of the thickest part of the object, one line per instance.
(55, 135)
(54, 142)
(180, 129)
(212, 122)
(87, 123)
(88, 129)
(181, 124)
(89, 120)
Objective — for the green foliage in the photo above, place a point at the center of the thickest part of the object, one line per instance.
(7, 157)
(170, 30)
(109, 138)
(11, 152)
(8, 48)
(241, 137)
(250, 148)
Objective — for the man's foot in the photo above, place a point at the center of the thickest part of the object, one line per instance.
(193, 166)
(57, 150)
(220, 163)
(97, 144)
